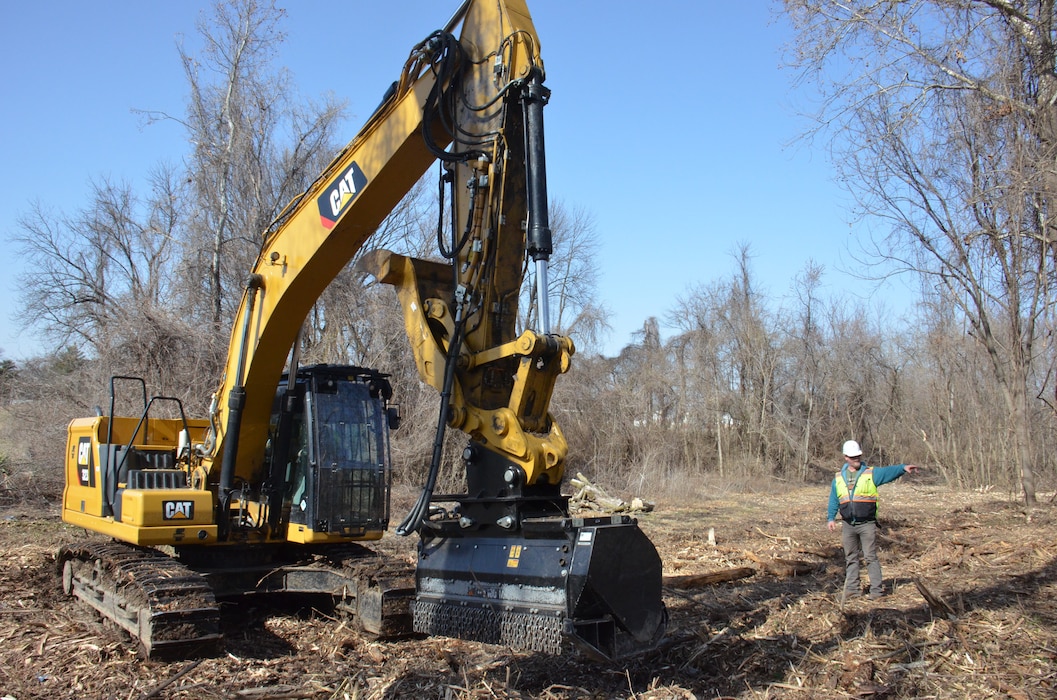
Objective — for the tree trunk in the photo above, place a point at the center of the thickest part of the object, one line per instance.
(1020, 417)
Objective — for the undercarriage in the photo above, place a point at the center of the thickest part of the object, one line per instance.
(169, 602)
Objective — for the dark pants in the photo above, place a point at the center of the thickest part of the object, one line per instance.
(861, 537)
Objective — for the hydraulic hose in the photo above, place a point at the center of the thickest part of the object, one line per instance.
(420, 512)
(236, 402)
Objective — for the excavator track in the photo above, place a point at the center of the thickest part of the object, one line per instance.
(375, 590)
(384, 589)
(169, 608)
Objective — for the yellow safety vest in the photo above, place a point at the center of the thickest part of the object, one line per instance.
(857, 505)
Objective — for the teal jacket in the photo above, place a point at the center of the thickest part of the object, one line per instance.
(881, 475)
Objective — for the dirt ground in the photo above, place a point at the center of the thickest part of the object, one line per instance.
(971, 613)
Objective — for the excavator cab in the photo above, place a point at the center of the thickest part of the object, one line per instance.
(329, 447)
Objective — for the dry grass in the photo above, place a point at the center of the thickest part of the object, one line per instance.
(990, 630)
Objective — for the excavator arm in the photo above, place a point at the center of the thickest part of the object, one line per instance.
(462, 315)
(304, 250)
(505, 562)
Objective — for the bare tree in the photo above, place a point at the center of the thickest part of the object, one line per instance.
(727, 357)
(703, 371)
(90, 277)
(805, 352)
(944, 127)
(952, 407)
(256, 145)
(144, 282)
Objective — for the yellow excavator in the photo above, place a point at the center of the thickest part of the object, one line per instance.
(278, 489)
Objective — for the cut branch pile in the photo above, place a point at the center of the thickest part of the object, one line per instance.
(589, 496)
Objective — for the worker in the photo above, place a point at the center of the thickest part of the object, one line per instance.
(853, 495)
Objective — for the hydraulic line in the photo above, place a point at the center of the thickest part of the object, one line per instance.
(420, 512)
(236, 403)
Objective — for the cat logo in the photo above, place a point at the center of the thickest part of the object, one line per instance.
(178, 510)
(337, 198)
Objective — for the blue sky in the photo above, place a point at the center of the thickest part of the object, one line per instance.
(669, 123)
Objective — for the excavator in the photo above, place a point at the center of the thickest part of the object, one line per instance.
(282, 487)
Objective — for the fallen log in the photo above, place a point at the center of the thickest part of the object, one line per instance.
(701, 580)
(788, 567)
(781, 567)
(827, 553)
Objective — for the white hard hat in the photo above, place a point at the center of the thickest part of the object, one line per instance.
(851, 449)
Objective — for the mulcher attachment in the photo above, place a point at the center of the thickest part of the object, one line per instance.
(593, 582)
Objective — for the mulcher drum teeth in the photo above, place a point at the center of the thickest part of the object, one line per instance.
(520, 630)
